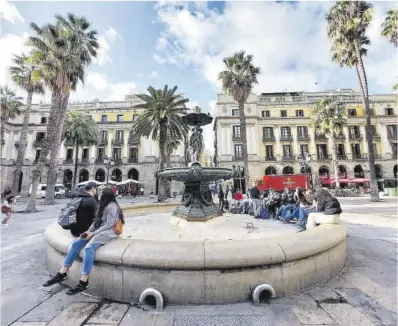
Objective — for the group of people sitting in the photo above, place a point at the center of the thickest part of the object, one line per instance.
(288, 207)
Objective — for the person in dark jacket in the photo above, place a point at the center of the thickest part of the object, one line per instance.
(221, 199)
(327, 204)
(254, 192)
(87, 209)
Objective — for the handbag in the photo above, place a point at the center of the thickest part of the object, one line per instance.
(118, 228)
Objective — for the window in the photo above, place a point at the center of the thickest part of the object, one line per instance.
(119, 135)
(265, 114)
(374, 149)
(119, 118)
(268, 133)
(100, 154)
(322, 151)
(235, 112)
(117, 153)
(285, 132)
(356, 150)
(43, 120)
(134, 154)
(85, 154)
(354, 131)
(302, 131)
(104, 118)
(38, 151)
(135, 117)
(299, 113)
(394, 149)
(340, 150)
(392, 130)
(373, 130)
(304, 149)
(286, 151)
(69, 154)
(389, 111)
(269, 151)
(103, 134)
(352, 112)
(238, 151)
(283, 113)
(236, 131)
(40, 136)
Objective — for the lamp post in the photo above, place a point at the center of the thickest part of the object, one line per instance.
(240, 169)
(304, 159)
(109, 162)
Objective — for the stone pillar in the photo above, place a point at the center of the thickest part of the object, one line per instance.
(296, 147)
(347, 143)
(312, 147)
(92, 153)
(364, 142)
(108, 149)
(385, 143)
(278, 145)
(125, 145)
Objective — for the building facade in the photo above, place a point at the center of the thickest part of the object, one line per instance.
(134, 158)
(279, 130)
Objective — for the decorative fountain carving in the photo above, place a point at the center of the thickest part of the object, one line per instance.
(197, 200)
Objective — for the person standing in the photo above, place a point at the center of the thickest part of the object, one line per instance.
(221, 199)
(7, 207)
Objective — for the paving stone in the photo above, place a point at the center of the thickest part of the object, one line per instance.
(369, 306)
(164, 319)
(346, 315)
(322, 293)
(220, 321)
(283, 316)
(74, 315)
(311, 316)
(138, 317)
(244, 309)
(111, 313)
(28, 323)
(301, 299)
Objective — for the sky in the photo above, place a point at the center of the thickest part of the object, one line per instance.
(183, 43)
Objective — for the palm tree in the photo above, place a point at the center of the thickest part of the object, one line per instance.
(390, 26)
(347, 23)
(163, 109)
(238, 80)
(65, 50)
(10, 107)
(80, 129)
(328, 118)
(26, 74)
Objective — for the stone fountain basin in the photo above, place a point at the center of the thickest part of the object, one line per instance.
(214, 262)
(188, 174)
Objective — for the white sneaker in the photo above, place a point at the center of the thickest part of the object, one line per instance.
(5, 224)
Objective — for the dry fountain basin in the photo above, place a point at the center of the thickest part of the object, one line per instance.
(218, 261)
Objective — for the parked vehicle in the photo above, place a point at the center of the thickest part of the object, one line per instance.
(41, 191)
(280, 182)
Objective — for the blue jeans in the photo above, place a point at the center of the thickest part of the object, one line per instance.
(284, 211)
(88, 258)
(302, 215)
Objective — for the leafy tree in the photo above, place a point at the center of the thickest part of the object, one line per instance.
(80, 129)
(238, 79)
(347, 23)
(163, 109)
(390, 26)
(26, 74)
(328, 118)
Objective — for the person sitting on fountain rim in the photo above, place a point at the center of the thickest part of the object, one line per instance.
(100, 233)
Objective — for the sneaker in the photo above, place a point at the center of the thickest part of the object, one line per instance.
(58, 278)
(80, 287)
(283, 220)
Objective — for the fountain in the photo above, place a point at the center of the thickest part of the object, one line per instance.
(197, 200)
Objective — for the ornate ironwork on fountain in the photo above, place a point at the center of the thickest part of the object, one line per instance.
(197, 201)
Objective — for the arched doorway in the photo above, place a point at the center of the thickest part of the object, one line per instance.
(67, 180)
(288, 170)
(100, 175)
(117, 175)
(20, 182)
(342, 171)
(271, 170)
(379, 171)
(395, 170)
(306, 170)
(83, 175)
(133, 174)
(358, 171)
(323, 172)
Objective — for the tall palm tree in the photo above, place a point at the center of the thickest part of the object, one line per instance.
(347, 23)
(80, 129)
(26, 74)
(238, 80)
(163, 109)
(65, 50)
(328, 118)
(390, 26)
(10, 107)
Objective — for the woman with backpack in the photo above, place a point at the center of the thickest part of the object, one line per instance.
(106, 227)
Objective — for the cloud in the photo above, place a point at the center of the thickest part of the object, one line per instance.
(9, 12)
(154, 75)
(289, 43)
(105, 41)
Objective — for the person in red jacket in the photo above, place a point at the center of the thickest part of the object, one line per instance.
(238, 195)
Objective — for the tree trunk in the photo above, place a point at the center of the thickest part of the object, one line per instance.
(22, 144)
(162, 194)
(368, 128)
(76, 162)
(335, 163)
(55, 148)
(55, 112)
(242, 121)
(2, 133)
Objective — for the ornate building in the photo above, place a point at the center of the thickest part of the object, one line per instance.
(134, 158)
(279, 130)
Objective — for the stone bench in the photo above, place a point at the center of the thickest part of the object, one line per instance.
(317, 218)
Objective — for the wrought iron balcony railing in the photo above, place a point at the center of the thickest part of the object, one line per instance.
(288, 158)
(269, 138)
(236, 137)
(117, 141)
(103, 141)
(320, 137)
(133, 139)
(69, 161)
(341, 156)
(286, 138)
(392, 135)
(270, 158)
(38, 143)
(359, 157)
(324, 157)
(356, 137)
(133, 160)
(303, 137)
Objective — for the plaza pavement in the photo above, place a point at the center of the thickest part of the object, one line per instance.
(364, 293)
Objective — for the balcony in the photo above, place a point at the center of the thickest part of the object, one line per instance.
(377, 156)
(359, 157)
(84, 162)
(117, 142)
(303, 137)
(320, 137)
(341, 156)
(117, 160)
(269, 138)
(356, 137)
(99, 160)
(323, 157)
(236, 137)
(340, 136)
(392, 136)
(69, 161)
(394, 155)
(103, 142)
(375, 136)
(288, 158)
(237, 158)
(133, 139)
(68, 142)
(270, 158)
(286, 138)
(38, 143)
(133, 160)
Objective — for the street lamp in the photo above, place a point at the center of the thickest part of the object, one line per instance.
(109, 162)
(304, 159)
(241, 169)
